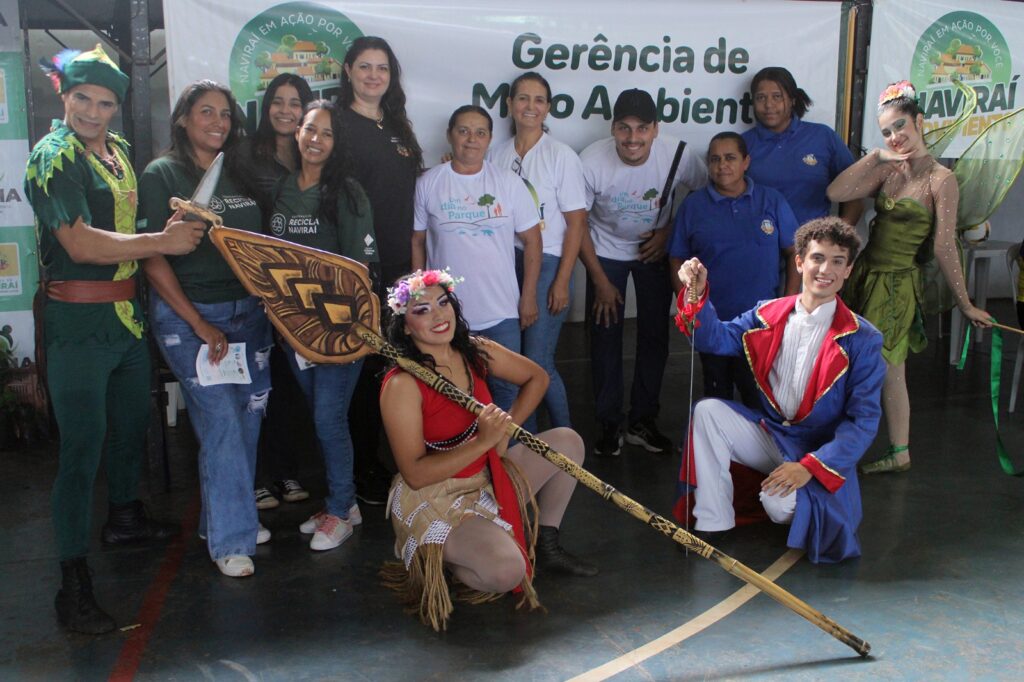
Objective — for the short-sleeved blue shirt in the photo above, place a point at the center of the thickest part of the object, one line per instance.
(800, 162)
(740, 240)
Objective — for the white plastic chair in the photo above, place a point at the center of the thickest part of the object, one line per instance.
(1011, 266)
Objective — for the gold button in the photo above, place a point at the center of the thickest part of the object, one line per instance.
(786, 423)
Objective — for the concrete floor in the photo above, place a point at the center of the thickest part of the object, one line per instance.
(936, 594)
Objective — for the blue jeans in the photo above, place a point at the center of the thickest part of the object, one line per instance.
(226, 418)
(328, 390)
(507, 334)
(653, 295)
(540, 340)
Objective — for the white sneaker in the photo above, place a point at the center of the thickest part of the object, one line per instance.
(331, 532)
(355, 517)
(236, 566)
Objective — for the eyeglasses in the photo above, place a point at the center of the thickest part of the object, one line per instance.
(517, 166)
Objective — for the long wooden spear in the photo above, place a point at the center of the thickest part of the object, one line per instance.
(319, 301)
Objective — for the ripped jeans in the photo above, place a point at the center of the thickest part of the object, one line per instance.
(226, 418)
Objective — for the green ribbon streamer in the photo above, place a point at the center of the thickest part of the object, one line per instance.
(995, 376)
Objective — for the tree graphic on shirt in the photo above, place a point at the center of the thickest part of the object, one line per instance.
(650, 195)
(486, 201)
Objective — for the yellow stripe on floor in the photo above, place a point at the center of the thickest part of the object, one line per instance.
(690, 628)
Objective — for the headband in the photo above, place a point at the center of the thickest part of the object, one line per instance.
(413, 286)
(896, 91)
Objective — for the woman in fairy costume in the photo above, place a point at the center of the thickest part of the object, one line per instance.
(459, 502)
(915, 200)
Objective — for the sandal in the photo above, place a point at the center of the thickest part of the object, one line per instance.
(888, 464)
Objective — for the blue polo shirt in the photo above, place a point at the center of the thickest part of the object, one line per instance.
(800, 162)
(740, 241)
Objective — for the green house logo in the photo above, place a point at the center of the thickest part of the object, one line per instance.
(302, 38)
(967, 47)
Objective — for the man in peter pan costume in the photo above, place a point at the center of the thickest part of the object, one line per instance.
(82, 188)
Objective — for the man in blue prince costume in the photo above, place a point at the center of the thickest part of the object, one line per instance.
(819, 372)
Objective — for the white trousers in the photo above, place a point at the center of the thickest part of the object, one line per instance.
(720, 436)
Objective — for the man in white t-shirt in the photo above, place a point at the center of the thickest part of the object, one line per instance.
(631, 178)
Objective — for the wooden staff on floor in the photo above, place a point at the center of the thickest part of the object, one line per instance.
(320, 301)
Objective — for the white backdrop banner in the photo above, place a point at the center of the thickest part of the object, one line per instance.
(696, 59)
(930, 43)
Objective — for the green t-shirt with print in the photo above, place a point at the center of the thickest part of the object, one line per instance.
(204, 275)
(296, 218)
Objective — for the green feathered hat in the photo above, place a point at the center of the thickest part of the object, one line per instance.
(73, 67)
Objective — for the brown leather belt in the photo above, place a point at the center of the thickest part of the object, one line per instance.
(89, 291)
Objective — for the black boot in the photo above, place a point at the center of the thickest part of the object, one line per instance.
(551, 558)
(77, 609)
(128, 523)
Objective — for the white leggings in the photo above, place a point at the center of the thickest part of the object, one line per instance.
(720, 436)
(486, 558)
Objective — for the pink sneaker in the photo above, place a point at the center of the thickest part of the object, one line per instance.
(331, 532)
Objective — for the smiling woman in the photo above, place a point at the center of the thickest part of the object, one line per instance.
(270, 150)
(555, 175)
(916, 202)
(200, 313)
(461, 496)
(322, 206)
(469, 214)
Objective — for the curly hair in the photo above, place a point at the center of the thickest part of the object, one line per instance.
(827, 229)
(462, 340)
(393, 102)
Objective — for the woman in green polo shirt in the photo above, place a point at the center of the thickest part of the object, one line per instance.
(201, 314)
(322, 206)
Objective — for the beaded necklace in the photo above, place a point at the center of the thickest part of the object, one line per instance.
(455, 441)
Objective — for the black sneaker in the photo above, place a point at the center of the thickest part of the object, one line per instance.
(610, 442)
(645, 434)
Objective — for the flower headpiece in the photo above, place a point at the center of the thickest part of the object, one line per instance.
(413, 286)
(73, 67)
(896, 91)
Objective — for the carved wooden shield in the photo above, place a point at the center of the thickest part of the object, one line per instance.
(311, 296)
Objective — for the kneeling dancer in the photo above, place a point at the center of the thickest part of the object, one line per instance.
(819, 370)
(459, 501)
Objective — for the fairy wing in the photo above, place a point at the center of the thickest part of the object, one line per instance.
(939, 139)
(988, 168)
(314, 298)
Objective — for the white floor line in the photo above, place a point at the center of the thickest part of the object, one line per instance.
(690, 628)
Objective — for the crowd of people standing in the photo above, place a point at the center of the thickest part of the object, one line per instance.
(505, 224)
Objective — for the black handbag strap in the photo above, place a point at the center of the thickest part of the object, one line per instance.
(667, 193)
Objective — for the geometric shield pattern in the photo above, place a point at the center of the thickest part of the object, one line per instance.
(312, 297)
